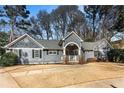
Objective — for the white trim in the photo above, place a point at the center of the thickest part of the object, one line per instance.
(79, 49)
(109, 44)
(35, 41)
(14, 41)
(64, 51)
(11, 43)
(71, 43)
(72, 33)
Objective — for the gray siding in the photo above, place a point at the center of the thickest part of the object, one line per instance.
(52, 58)
(102, 47)
(26, 57)
(72, 38)
(25, 43)
(89, 54)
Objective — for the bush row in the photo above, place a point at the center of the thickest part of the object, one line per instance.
(8, 59)
(2, 51)
(116, 55)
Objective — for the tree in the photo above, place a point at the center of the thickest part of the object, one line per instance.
(1, 12)
(77, 23)
(65, 19)
(105, 19)
(3, 39)
(119, 24)
(3, 24)
(36, 28)
(111, 23)
(44, 22)
(23, 26)
(14, 13)
(92, 17)
(101, 19)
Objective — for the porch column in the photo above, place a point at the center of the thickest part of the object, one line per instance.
(64, 51)
(79, 51)
(80, 57)
(64, 56)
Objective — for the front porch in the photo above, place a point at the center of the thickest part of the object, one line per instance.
(72, 59)
(71, 53)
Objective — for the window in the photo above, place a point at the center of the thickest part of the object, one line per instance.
(52, 52)
(36, 53)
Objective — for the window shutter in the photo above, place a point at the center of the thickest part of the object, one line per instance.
(47, 52)
(40, 53)
(20, 53)
(32, 53)
(57, 52)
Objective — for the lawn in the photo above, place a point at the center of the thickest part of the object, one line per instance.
(58, 75)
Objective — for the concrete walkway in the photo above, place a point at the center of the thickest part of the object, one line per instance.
(7, 81)
(107, 83)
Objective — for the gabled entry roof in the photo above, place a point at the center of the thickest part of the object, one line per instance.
(71, 34)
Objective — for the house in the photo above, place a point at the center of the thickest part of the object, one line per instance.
(71, 48)
(119, 44)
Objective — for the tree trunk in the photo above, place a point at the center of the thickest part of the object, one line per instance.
(11, 34)
(93, 29)
(47, 35)
(12, 29)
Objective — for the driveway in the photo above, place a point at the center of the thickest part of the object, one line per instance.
(6, 80)
(107, 83)
(58, 75)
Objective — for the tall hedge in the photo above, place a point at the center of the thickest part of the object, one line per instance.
(2, 51)
(116, 55)
(8, 59)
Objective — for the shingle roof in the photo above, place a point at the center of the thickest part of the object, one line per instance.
(54, 44)
(88, 45)
(50, 44)
(91, 45)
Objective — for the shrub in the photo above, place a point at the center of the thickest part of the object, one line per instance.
(116, 55)
(122, 56)
(8, 59)
(2, 51)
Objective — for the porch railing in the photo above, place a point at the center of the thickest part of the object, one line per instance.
(71, 58)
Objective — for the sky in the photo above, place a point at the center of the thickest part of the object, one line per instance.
(34, 9)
